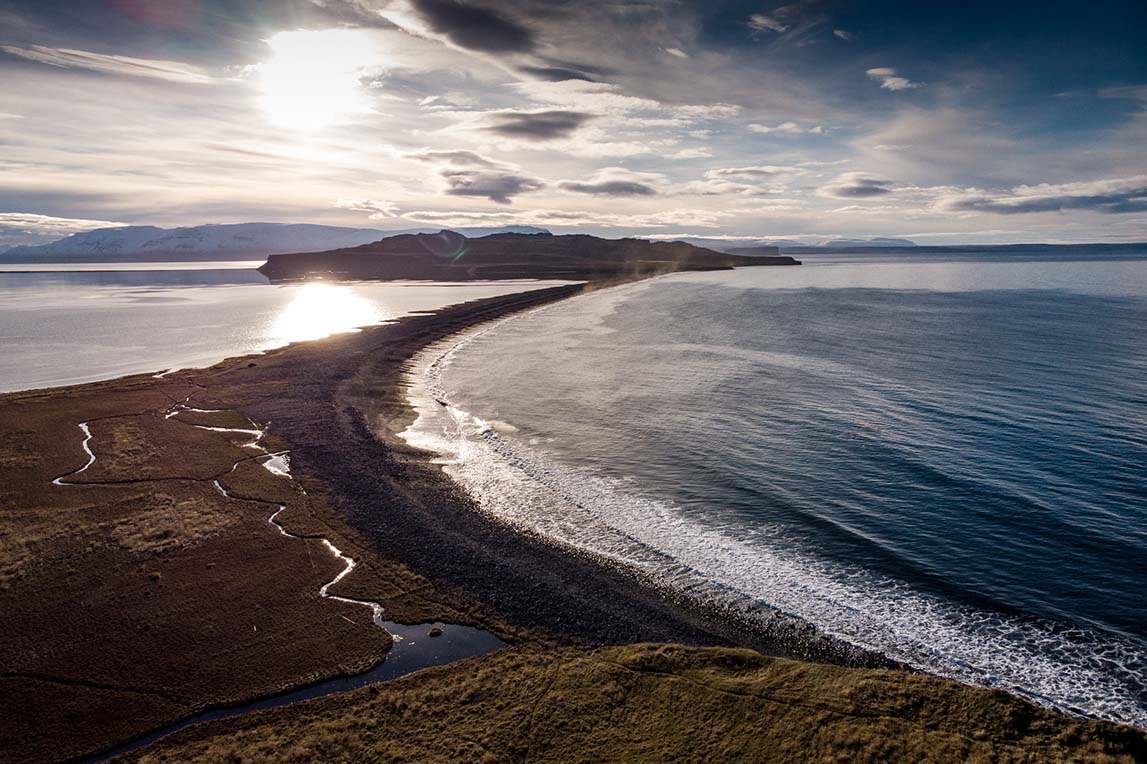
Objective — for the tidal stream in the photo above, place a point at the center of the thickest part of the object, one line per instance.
(412, 648)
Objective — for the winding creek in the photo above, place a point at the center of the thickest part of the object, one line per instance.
(412, 648)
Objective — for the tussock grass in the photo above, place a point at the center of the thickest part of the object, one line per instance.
(658, 703)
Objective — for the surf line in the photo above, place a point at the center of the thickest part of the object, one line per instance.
(275, 462)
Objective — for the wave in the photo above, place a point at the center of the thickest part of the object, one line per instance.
(761, 570)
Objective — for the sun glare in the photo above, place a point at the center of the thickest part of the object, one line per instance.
(320, 310)
(312, 78)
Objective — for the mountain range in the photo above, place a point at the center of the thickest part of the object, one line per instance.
(240, 241)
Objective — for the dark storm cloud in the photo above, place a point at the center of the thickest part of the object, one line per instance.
(855, 185)
(474, 27)
(609, 188)
(538, 125)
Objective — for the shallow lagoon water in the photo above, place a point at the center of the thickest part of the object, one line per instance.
(68, 327)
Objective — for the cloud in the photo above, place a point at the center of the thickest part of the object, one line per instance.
(691, 154)
(787, 128)
(715, 187)
(27, 228)
(537, 125)
(1128, 92)
(759, 22)
(467, 173)
(945, 145)
(846, 36)
(496, 186)
(557, 73)
(1110, 196)
(593, 97)
(379, 210)
(66, 58)
(570, 218)
(890, 80)
(455, 158)
(707, 110)
(465, 26)
(755, 172)
(609, 188)
(855, 185)
(614, 181)
(746, 180)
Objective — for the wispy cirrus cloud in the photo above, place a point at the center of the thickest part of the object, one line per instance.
(787, 128)
(890, 79)
(1109, 196)
(66, 58)
(552, 218)
(760, 22)
(376, 208)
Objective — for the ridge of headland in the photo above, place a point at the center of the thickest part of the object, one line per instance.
(450, 256)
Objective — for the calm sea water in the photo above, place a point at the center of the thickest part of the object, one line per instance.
(945, 461)
(64, 326)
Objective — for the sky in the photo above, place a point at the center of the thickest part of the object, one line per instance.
(939, 122)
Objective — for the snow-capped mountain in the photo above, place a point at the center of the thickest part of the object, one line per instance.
(212, 242)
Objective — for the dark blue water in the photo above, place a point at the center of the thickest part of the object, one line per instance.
(943, 461)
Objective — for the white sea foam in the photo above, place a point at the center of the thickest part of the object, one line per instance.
(1073, 669)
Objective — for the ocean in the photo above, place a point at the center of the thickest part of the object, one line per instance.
(941, 459)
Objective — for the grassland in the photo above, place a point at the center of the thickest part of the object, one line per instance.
(656, 703)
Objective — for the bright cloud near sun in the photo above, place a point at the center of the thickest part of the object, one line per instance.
(312, 79)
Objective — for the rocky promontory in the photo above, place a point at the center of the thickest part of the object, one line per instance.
(450, 256)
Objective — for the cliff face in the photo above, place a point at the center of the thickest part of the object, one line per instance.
(450, 256)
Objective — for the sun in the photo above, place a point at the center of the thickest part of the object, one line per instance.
(312, 79)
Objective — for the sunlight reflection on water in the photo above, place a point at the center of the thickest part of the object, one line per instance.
(320, 310)
(70, 327)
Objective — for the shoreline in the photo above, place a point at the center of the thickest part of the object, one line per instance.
(337, 405)
(729, 615)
